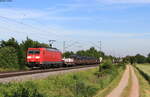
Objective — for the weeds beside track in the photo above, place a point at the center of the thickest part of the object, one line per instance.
(76, 84)
(27, 72)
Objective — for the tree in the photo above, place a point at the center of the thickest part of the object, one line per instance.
(13, 43)
(149, 55)
(21, 57)
(148, 58)
(8, 58)
(10, 43)
(92, 52)
(132, 59)
(129, 59)
(140, 58)
(67, 54)
(29, 43)
(81, 53)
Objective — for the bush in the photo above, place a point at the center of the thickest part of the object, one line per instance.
(107, 64)
(148, 59)
(24, 92)
(20, 90)
(8, 58)
(122, 64)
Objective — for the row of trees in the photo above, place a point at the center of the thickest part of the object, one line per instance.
(137, 59)
(13, 54)
(92, 52)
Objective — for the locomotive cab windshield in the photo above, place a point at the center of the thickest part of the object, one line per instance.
(33, 52)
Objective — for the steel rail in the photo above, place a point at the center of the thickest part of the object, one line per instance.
(19, 73)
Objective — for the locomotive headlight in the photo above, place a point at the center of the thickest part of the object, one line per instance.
(29, 57)
(37, 57)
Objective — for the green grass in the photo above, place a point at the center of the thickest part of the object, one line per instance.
(77, 84)
(111, 86)
(12, 69)
(7, 69)
(144, 85)
(144, 70)
(144, 67)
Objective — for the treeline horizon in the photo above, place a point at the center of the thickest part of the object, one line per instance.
(13, 53)
(138, 58)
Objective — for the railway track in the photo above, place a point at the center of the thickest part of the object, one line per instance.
(29, 72)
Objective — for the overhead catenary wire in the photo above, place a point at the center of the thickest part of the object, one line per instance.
(15, 21)
(11, 32)
(35, 30)
(40, 36)
(30, 26)
(73, 45)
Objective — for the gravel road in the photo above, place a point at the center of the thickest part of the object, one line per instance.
(134, 91)
(135, 84)
(122, 84)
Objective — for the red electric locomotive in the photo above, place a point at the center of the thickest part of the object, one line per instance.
(44, 57)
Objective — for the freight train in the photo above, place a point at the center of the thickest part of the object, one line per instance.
(52, 57)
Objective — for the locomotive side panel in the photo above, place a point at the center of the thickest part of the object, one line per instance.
(52, 57)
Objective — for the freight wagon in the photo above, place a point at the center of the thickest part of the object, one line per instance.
(80, 60)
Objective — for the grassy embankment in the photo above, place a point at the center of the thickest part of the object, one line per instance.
(144, 69)
(76, 84)
(143, 73)
(6, 69)
(112, 85)
(12, 69)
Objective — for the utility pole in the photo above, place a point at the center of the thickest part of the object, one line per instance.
(100, 50)
(100, 46)
(64, 46)
(51, 43)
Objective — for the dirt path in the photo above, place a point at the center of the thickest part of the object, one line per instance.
(123, 83)
(134, 91)
(135, 84)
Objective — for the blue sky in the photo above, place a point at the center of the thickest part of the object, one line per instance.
(123, 26)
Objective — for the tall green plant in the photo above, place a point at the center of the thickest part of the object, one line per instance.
(107, 64)
(8, 58)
